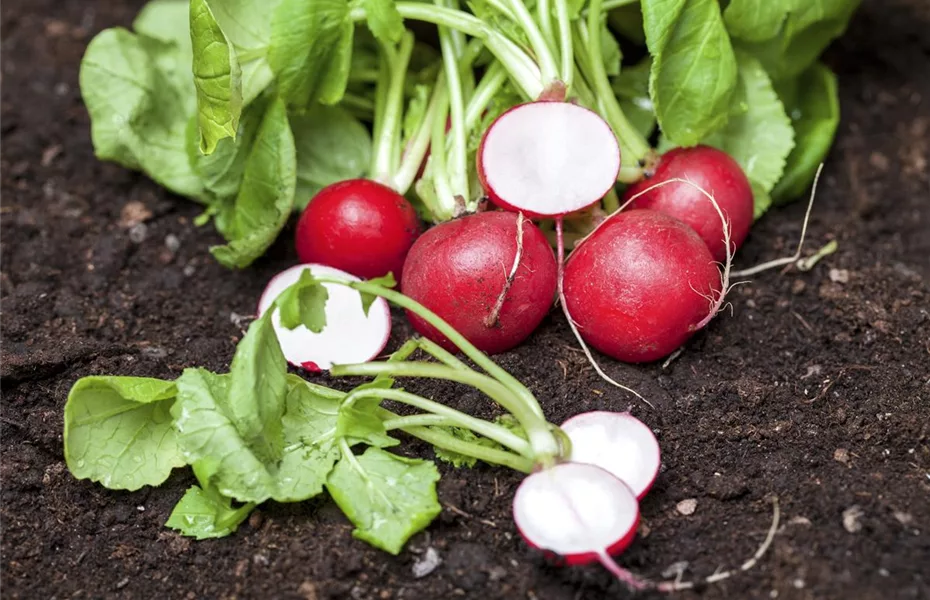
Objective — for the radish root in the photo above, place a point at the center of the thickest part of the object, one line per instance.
(493, 318)
(571, 322)
(676, 585)
(796, 257)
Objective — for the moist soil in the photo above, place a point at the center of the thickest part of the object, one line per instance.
(816, 389)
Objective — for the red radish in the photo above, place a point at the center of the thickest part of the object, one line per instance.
(473, 273)
(577, 511)
(349, 335)
(548, 159)
(712, 170)
(619, 443)
(640, 285)
(358, 226)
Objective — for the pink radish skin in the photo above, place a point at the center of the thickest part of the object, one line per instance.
(460, 269)
(548, 159)
(349, 336)
(640, 285)
(711, 170)
(617, 442)
(578, 512)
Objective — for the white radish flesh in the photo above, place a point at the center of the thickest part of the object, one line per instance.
(578, 511)
(349, 335)
(619, 443)
(548, 158)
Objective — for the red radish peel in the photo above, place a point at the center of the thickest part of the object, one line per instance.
(619, 443)
(350, 336)
(548, 159)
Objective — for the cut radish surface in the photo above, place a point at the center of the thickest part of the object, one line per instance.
(548, 158)
(619, 443)
(576, 510)
(349, 336)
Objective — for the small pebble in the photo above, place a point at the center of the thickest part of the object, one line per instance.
(138, 233)
(851, 516)
(686, 507)
(427, 563)
(841, 455)
(172, 243)
(839, 275)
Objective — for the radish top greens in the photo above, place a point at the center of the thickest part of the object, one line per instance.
(251, 107)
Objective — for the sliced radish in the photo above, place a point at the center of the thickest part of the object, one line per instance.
(578, 511)
(548, 159)
(619, 443)
(349, 336)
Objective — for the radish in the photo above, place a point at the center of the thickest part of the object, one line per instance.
(619, 443)
(359, 226)
(491, 276)
(709, 169)
(350, 336)
(640, 285)
(577, 511)
(548, 159)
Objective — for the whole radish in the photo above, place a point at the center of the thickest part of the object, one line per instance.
(474, 273)
(714, 171)
(639, 286)
(359, 226)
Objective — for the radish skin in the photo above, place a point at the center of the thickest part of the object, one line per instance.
(349, 336)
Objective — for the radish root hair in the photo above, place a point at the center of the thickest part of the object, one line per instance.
(494, 316)
(676, 585)
(574, 327)
(796, 257)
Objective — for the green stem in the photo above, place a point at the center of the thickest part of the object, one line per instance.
(425, 420)
(445, 197)
(566, 49)
(487, 89)
(501, 435)
(610, 5)
(547, 67)
(544, 16)
(386, 154)
(235, 516)
(419, 144)
(633, 146)
(359, 103)
(441, 354)
(441, 439)
(457, 167)
(543, 443)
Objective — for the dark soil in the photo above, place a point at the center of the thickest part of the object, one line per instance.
(816, 389)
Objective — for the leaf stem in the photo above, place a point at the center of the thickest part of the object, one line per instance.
(490, 84)
(386, 156)
(416, 149)
(457, 167)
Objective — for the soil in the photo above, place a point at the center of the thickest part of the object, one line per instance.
(816, 389)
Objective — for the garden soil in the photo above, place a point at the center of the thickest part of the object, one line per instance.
(815, 389)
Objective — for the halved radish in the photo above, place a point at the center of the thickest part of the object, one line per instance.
(577, 511)
(349, 336)
(619, 443)
(548, 159)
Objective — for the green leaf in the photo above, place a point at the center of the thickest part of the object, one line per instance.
(304, 303)
(166, 20)
(632, 89)
(205, 513)
(383, 20)
(247, 26)
(387, 498)
(311, 50)
(360, 423)
(385, 281)
(693, 70)
(258, 388)
(758, 134)
(140, 96)
(815, 112)
(787, 36)
(266, 194)
(610, 49)
(460, 460)
(216, 76)
(332, 146)
(118, 431)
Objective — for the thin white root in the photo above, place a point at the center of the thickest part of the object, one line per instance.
(796, 257)
(677, 585)
(571, 322)
(492, 318)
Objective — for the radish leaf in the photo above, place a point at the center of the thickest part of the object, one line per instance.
(140, 106)
(118, 431)
(311, 50)
(632, 89)
(386, 281)
(758, 134)
(267, 192)
(815, 111)
(204, 513)
(694, 70)
(383, 20)
(216, 77)
(304, 303)
(332, 146)
(168, 21)
(388, 498)
(247, 26)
